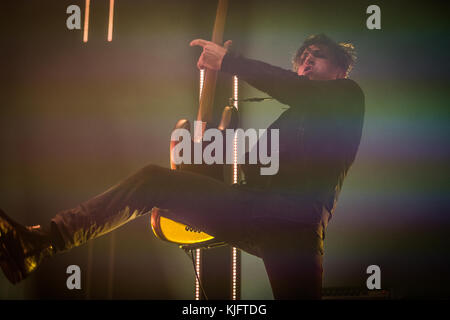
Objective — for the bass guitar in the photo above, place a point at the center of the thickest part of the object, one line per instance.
(167, 229)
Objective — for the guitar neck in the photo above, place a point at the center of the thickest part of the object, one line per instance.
(209, 87)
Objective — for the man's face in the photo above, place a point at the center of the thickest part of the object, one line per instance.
(316, 64)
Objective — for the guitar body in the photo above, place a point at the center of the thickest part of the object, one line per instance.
(179, 233)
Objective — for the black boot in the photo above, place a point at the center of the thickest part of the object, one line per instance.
(22, 249)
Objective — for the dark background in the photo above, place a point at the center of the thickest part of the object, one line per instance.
(75, 118)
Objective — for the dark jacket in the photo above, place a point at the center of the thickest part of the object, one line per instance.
(319, 133)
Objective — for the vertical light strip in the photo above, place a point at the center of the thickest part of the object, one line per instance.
(235, 91)
(235, 166)
(234, 274)
(111, 20)
(86, 21)
(198, 251)
(235, 180)
(235, 103)
(197, 270)
(202, 81)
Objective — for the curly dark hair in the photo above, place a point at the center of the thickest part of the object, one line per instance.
(343, 54)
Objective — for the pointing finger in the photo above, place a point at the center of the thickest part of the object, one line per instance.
(198, 42)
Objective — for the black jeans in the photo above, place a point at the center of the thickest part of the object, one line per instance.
(247, 219)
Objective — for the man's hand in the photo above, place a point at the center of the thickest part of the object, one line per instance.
(212, 55)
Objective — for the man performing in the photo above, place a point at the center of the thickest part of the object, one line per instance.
(282, 221)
